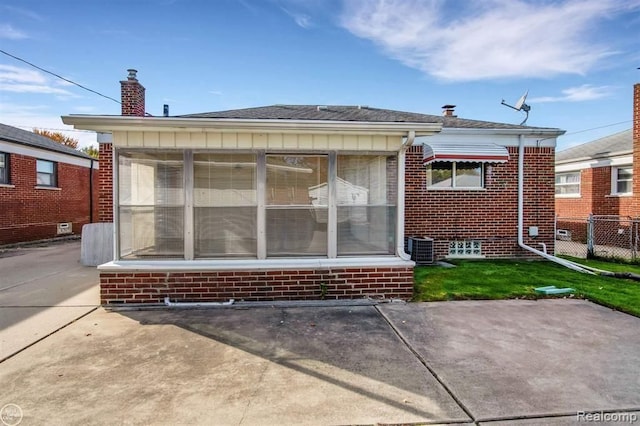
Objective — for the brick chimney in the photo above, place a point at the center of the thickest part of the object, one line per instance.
(132, 95)
(448, 110)
(636, 151)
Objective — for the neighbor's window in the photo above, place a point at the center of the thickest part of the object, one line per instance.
(445, 174)
(621, 180)
(568, 183)
(46, 173)
(225, 205)
(296, 205)
(151, 204)
(366, 204)
(4, 167)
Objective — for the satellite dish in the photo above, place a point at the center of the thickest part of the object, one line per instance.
(520, 106)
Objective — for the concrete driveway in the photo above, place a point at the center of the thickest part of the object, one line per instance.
(487, 362)
(42, 289)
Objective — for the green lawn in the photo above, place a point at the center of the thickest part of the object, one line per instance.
(507, 279)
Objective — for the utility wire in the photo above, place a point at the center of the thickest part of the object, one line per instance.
(600, 127)
(60, 77)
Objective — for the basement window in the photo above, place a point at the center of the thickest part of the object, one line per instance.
(465, 248)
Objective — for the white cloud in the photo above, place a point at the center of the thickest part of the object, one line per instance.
(486, 40)
(586, 92)
(7, 31)
(301, 19)
(23, 80)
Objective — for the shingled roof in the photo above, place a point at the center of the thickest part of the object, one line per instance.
(617, 144)
(350, 113)
(24, 137)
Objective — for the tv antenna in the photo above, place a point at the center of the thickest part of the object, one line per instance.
(520, 106)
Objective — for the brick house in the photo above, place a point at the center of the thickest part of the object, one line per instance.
(308, 201)
(600, 177)
(45, 188)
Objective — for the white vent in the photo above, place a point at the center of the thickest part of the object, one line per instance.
(64, 228)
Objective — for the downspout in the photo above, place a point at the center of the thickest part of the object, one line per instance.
(91, 191)
(411, 136)
(521, 243)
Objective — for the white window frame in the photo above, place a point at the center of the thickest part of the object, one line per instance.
(615, 180)
(568, 184)
(454, 165)
(5, 174)
(53, 174)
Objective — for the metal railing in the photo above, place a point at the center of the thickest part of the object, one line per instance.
(598, 236)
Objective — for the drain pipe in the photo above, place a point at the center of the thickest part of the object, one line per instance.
(411, 136)
(169, 303)
(521, 243)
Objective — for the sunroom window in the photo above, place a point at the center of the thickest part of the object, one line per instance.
(151, 205)
(255, 205)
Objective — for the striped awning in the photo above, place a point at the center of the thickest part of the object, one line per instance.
(486, 153)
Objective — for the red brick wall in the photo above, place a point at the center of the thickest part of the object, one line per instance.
(635, 210)
(339, 283)
(31, 214)
(105, 183)
(488, 215)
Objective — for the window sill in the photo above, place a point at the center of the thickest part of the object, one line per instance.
(568, 196)
(6, 185)
(626, 194)
(470, 256)
(48, 188)
(254, 264)
(437, 188)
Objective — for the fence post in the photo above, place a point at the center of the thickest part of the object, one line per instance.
(590, 237)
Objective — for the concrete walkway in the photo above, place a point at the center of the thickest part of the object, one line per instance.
(490, 362)
(41, 290)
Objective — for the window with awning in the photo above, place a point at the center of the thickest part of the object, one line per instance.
(486, 153)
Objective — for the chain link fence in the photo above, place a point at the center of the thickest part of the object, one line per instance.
(598, 236)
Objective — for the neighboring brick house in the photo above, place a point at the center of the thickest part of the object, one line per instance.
(601, 177)
(308, 201)
(45, 187)
(596, 177)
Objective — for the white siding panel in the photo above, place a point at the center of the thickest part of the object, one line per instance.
(198, 140)
(229, 140)
(168, 139)
(320, 142)
(183, 139)
(151, 139)
(134, 139)
(274, 140)
(290, 141)
(350, 142)
(305, 141)
(365, 142)
(120, 138)
(245, 140)
(214, 140)
(335, 142)
(260, 140)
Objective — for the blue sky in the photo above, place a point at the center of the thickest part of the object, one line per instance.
(577, 59)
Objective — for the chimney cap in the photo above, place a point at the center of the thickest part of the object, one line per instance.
(448, 106)
(132, 74)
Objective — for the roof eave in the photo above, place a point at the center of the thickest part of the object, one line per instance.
(596, 157)
(129, 123)
(526, 131)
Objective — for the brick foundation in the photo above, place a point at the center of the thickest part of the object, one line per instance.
(269, 285)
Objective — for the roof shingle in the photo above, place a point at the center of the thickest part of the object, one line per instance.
(349, 113)
(616, 144)
(24, 137)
